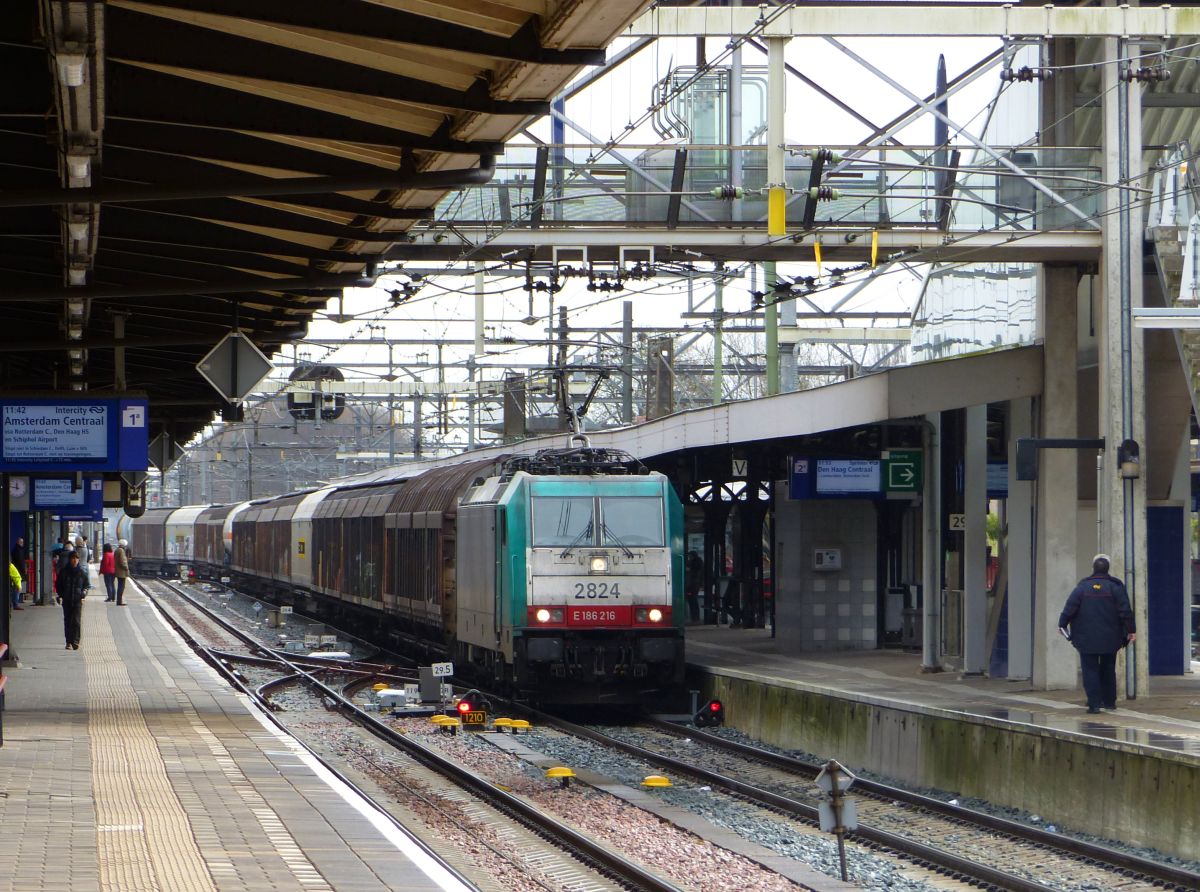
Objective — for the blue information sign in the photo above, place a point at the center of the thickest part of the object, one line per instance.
(68, 434)
(835, 478)
(59, 495)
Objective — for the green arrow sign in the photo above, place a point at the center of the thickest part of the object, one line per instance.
(903, 470)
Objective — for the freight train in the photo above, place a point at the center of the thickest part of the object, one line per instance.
(557, 576)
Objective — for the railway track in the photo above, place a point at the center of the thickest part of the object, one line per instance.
(961, 843)
(605, 869)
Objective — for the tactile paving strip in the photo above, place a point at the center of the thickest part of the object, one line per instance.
(143, 837)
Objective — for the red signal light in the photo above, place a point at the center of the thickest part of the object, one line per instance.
(711, 714)
(464, 706)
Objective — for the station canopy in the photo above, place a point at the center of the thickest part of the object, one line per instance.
(173, 169)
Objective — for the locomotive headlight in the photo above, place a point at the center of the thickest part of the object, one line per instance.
(655, 615)
(543, 615)
(549, 615)
(599, 564)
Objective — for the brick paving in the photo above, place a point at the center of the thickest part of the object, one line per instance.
(129, 765)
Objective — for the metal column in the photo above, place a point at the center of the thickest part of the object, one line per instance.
(776, 194)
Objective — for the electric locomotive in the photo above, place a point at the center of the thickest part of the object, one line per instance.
(569, 578)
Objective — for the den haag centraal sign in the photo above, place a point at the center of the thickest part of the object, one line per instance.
(73, 435)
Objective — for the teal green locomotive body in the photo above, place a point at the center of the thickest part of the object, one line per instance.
(571, 586)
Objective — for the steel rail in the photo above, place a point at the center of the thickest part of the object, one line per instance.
(589, 850)
(936, 858)
(1118, 860)
(210, 657)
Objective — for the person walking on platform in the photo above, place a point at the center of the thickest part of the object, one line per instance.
(72, 586)
(15, 582)
(1098, 620)
(17, 562)
(108, 572)
(121, 565)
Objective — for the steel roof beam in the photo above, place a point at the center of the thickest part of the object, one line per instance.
(174, 256)
(260, 188)
(840, 244)
(140, 94)
(133, 224)
(914, 20)
(149, 137)
(379, 22)
(247, 285)
(226, 210)
(159, 41)
(127, 166)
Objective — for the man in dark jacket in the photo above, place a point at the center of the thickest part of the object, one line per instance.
(71, 587)
(1099, 622)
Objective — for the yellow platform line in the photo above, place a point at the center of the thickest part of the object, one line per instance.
(144, 840)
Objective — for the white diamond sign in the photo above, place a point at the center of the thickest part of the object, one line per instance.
(234, 367)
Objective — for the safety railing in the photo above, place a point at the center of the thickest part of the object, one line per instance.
(697, 185)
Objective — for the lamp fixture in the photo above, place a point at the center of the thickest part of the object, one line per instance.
(75, 331)
(1129, 460)
(78, 227)
(1166, 317)
(71, 68)
(79, 164)
(77, 275)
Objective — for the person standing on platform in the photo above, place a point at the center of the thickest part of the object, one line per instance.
(108, 571)
(64, 557)
(1098, 620)
(17, 562)
(693, 573)
(85, 551)
(15, 581)
(72, 586)
(121, 565)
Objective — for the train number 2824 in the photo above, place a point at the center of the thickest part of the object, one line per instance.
(593, 591)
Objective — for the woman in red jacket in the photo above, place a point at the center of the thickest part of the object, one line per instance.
(108, 569)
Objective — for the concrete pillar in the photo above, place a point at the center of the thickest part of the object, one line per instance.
(1122, 502)
(931, 547)
(1055, 664)
(975, 614)
(1019, 550)
(1181, 494)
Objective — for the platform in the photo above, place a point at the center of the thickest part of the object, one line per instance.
(1131, 774)
(130, 765)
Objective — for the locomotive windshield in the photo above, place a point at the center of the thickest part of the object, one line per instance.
(631, 520)
(560, 522)
(625, 521)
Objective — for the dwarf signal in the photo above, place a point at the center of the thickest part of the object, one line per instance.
(711, 714)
